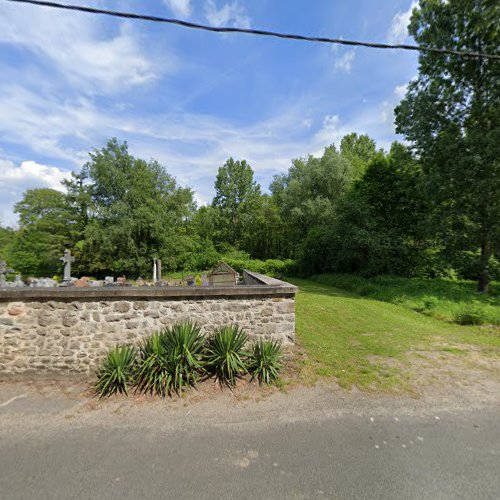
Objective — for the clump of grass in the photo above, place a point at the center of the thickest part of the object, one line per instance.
(264, 363)
(471, 314)
(225, 356)
(117, 372)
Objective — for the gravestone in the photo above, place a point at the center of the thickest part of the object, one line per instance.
(109, 280)
(18, 282)
(3, 271)
(67, 260)
(156, 270)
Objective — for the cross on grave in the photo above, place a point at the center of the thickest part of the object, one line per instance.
(67, 259)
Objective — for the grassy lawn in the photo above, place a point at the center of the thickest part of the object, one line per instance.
(452, 300)
(369, 344)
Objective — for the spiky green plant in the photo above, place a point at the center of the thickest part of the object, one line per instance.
(264, 363)
(170, 360)
(116, 373)
(225, 356)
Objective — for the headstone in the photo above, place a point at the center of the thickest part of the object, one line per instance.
(121, 280)
(43, 283)
(204, 280)
(97, 283)
(18, 282)
(109, 280)
(67, 259)
(190, 280)
(83, 282)
(3, 271)
(158, 269)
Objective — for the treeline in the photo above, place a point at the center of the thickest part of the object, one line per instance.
(355, 209)
(429, 207)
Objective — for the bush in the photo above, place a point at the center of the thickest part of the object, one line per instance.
(264, 363)
(117, 371)
(171, 360)
(470, 315)
(271, 267)
(225, 357)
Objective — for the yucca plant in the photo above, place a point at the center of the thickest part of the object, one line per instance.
(170, 360)
(224, 354)
(116, 373)
(264, 363)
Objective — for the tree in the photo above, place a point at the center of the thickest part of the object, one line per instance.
(43, 232)
(6, 236)
(451, 115)
(236, 201)
(378, 226)
(136, 212)
(360, 150)
(309, 193)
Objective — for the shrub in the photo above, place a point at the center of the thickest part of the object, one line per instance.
(170, 360)
(264, 363)
(271, 267)
(470, 315)
(225, 357)
(117, 371)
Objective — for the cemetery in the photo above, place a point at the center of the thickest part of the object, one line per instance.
(47, 326)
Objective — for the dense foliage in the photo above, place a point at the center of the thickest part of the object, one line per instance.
(429, 208)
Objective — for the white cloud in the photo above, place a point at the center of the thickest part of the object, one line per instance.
(179, 7)
(74, 44)
(230, 14)
(399, 26)
(15, 179)
(344, 62)
(400, 90)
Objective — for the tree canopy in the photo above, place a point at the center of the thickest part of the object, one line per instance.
(451, 115)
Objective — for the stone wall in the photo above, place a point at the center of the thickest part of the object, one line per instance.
(71, 329)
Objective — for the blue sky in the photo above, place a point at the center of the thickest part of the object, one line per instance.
(190, 99)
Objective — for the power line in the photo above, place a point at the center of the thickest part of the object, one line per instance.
(187, 24)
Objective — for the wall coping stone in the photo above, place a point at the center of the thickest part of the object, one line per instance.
(269, 287)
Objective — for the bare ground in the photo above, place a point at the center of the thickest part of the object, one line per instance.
(438, 381)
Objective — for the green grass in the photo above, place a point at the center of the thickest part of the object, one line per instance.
(364, 342)
(455, 301)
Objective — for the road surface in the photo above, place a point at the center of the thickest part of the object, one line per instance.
(299, 445)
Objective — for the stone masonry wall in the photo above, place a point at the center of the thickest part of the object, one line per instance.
(74, 335)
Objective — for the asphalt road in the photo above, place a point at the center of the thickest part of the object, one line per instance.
(411, 456)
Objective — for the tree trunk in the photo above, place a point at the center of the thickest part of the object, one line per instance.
(484, 275)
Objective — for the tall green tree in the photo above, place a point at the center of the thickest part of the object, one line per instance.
(235, 203)
(6, 236)
(309, 193)
(360, 150)
(136, 211)
(43, 233)
(451, 115)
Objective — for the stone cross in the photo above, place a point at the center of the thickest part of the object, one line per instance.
(67, 259)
